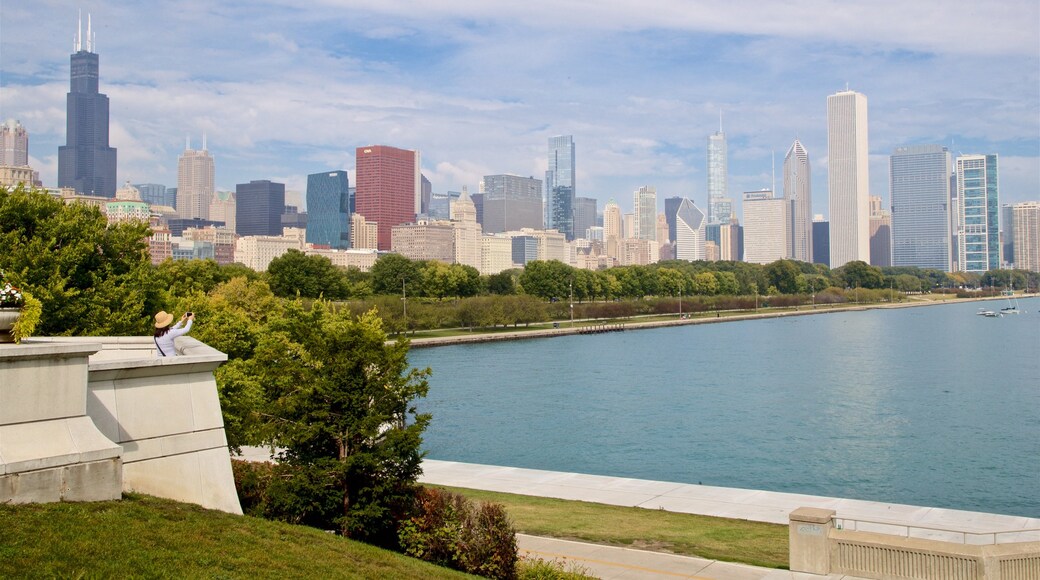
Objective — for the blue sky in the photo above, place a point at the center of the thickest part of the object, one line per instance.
(284, 88)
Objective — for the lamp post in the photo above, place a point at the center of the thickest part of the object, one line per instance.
(680, 302)
(404, 300)
(570, 287)
(812, 284)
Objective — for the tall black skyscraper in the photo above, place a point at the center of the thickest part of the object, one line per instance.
(86, 162)
(258, 208)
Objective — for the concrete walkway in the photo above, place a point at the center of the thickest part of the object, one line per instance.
(612, 563)
(746, 504)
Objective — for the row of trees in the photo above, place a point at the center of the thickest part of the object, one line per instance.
(312, 276)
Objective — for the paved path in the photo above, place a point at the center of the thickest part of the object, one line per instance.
(745, 504)
(612, 563)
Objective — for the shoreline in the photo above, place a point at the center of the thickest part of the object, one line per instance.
(618, 325)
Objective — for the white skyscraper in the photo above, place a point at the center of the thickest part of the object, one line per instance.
(613, 229)
(765, 227)
(14, 144)
(719, 206)
(195, 177)
(798, 195)
(848, 178)
(689, 232)
(645, 227)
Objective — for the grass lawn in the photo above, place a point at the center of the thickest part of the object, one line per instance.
(755, 543)
(148, 537)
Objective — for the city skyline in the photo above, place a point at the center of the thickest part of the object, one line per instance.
(277, 95)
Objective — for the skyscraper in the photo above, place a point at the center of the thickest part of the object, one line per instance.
(1026, 238)
(157, 194)
(880, 233)
(689, 232)
(328, 209)
(195, 182)
(389, 188)
(671, 207)
(511, 202)
(919, 184)
(717, 170)
(559, 186)
(765, 227)
(978, 213)
(258, 208)
(645, 204)
(848, 178)
(613, 229)
(86, 162)
(821, 241)
(14, 144)
(798, 194)
(584, 215)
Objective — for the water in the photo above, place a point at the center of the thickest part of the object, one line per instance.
(929, 406)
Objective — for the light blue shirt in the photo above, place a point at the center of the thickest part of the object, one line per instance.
(165, 342)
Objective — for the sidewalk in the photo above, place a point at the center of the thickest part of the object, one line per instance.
(612, 563)
(745, 504)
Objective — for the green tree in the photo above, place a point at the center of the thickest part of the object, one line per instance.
(783, 274)
(342, 402)
(546, 279)
(390, 270)
(728, 284)
(91, 278)
(705, 284)
(310, 276)
(503, 283)
(859, 274)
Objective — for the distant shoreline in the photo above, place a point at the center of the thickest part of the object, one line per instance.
(615, 325)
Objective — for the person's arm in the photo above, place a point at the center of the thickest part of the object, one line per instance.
(178, 330)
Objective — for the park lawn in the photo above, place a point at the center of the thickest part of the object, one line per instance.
(143, 536)
(755, 543)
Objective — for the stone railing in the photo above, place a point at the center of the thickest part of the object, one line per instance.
(818, 546)
(161, 415)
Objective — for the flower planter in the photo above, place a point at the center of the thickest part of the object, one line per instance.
(8, 316)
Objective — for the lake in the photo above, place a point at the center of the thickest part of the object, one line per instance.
(931, 406)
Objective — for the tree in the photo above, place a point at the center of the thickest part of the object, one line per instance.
(705, 284)
(342, 403)
(310, 276)
(859, 274)
(546, 279)
(92, 278)
(783, 274)
(503, 283)
(390, 270)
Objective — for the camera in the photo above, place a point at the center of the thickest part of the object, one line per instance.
(188, 313)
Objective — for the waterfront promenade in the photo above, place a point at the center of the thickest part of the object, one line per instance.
(567, 328)
(621, 563)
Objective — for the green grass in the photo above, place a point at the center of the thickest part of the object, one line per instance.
(755, 543)
(148, 537)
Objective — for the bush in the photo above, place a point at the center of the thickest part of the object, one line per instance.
(295, 494)
(539, 569)
(450, 530)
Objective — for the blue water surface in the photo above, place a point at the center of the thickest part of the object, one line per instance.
(927, 406)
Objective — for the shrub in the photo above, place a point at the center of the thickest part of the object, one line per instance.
(539, 569)
(450, 530)
(296, 494)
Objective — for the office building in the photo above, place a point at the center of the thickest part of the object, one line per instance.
(389, 188)
(156, 194)
(496, 254)
(666, 250)
(14, 144)
(584, 216)
(1007, 234)
(848, 178)
(798, 194)
(328, 209)
(195, 182)
(689, 231)
(765, 227)
(425, 194)
(1025, 220)
(719, 206)
(560, 187)
(257, 252)
(525, 249)
(424, 240)
(671, 207)
(821, 240)
(222, 240)
(223, 209)
(15, 176)
(978, 213)
(258, 208)
(880, 234)
(440, 205)
(466, 232)
(364, 235)
(613, 229)
(919, 184)
(645, 204)
(511, 202)
(86, 162)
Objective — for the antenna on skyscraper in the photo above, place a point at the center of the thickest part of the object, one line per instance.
(720, 119)
(203, 140)
(90, 35)
(772, 179)
(78, 44)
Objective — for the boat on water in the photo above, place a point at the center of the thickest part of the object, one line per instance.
(1012, 307)
(989, 313)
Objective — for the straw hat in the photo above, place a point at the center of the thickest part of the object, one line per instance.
(163, 319)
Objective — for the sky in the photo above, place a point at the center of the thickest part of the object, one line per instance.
(283, 88)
